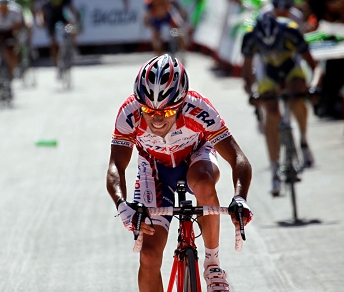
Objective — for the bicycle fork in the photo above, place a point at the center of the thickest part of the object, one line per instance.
(185, 242)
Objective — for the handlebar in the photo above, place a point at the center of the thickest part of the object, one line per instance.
(189, 211)
(284, 96)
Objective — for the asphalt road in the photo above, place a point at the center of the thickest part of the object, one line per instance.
(57, 226)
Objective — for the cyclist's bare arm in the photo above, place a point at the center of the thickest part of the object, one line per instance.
(115, 181)
(241, 167)
(247, 74)
(316, 68)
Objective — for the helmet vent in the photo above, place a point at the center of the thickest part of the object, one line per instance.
(162, 96)
(176, 97)
(148, 94)
(164, 78)
(151, 77)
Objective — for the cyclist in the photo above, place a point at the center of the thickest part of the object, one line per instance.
(11, 21)
(27, 7)
(281, 46)
(277, 8)
(52, 12)
(177, 133)
(159, 13)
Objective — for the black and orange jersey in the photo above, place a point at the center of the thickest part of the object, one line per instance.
(290, 43)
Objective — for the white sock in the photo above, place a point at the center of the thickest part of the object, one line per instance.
(274, 166)
(211, 257)
(303, 138)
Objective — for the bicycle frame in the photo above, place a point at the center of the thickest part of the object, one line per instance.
(186, 244)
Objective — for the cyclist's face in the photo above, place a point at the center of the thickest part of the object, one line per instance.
(158, 124)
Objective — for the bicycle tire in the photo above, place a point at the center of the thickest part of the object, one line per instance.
(190, 278)
(66, 78)
(293, 200)
(290, 166)
(174, 45)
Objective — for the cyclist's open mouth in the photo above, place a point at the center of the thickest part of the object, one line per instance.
(158, 126)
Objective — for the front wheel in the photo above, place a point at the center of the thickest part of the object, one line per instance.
(293, 201)
(190, 278)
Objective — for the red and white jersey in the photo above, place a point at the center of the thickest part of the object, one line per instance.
(198, 122)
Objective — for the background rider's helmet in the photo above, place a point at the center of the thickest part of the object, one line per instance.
(4, 2)
(162, 83)
(283, 4)
(268, 31)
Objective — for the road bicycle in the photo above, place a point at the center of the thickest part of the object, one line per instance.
(185, 275)
(179, 37)
(5, 77)
(290, 165)
(177, 44)
(65, 56)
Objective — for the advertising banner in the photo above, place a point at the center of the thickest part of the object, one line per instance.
(105, 22)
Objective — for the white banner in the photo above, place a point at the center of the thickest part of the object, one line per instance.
(105, 22)
(229, 48)
(211, 26)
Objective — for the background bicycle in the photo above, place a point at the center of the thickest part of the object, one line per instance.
(65, 59)
(185, 274)
(178, 42)
(291, 166)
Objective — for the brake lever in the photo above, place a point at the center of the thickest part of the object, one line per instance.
(240, 211)
(142, 214)
(139, 214)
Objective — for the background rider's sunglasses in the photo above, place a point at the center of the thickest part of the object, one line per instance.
(162, 113)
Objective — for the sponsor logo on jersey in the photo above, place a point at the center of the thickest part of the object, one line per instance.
(219, 138)
(148, 196)
(168, 200)
(120, 142)
(175, 133)
(199, 113)
(137, 192)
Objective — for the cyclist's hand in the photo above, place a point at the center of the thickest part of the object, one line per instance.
(315, 94)
(127, 212)
(253, 99)
(246, 214)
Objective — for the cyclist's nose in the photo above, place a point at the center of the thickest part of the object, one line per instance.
(158, 118)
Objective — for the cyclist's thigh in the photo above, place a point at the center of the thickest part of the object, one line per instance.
(296, 80)
(203, 162)
(153, 246)
(269, 87)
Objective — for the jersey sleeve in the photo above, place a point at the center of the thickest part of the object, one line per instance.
(248, 47)
(294, 34)
(201, 116)
(126, 123)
